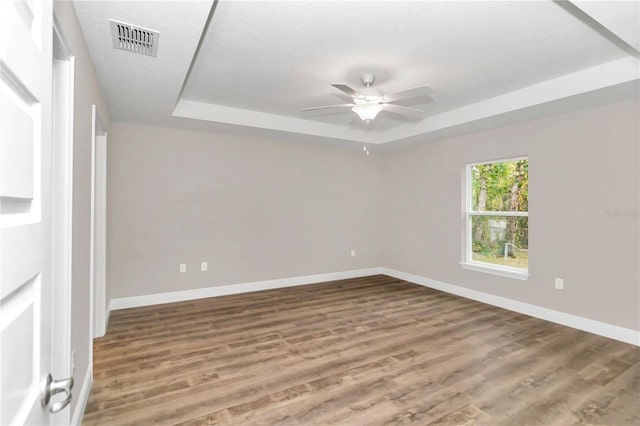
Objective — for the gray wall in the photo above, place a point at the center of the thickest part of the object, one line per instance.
(584, 186)
(259, 209)
(86, 93)
(254, 209)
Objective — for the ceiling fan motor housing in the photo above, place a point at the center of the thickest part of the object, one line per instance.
(368, 94)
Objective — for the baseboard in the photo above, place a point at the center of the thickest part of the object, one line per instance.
(201, 293)
(83, 397)
(592, 326)
(596, 327)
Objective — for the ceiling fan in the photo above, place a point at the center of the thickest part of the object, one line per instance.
(368, 101)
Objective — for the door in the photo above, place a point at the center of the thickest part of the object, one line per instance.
(25, 209)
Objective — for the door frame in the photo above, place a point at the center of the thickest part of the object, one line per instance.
(63, 63)
(98, 255)
(63, 362)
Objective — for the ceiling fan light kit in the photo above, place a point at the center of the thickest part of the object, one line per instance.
(367, 111)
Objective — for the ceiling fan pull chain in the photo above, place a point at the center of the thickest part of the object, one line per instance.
(365, 148)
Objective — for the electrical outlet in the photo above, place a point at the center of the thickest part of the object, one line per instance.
(73, 361)
(183, 268)
(559, 283)
(353, 253)
(203, 266)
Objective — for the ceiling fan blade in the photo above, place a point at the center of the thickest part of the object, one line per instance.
(416, 92)
(328, 106)
(403, 110)
(346, 89)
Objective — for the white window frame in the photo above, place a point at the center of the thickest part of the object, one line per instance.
(467, 258)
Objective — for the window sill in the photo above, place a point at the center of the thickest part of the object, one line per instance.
(503, 272)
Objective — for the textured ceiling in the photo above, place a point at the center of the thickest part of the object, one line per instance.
(141, 88)
(259, 63)
(281, 57)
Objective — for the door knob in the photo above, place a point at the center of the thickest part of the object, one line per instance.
(51, 387)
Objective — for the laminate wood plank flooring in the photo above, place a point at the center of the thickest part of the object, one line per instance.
(365, 351)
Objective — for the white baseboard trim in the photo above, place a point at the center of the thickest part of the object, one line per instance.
(592, 326)
(83, 397)
(596, 327)
(201, 293)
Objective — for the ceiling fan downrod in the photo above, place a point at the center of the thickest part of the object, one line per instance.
(368, 79)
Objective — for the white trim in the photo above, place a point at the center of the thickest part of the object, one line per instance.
(498, 213)
(592, 326)
(503, 271)
(97, 259)
(466, 219)
(500, 160)
(62, 132)
(467, 259)
(83, 397)
(92, 236)
(201, 293)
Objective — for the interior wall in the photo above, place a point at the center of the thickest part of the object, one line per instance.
(258, 209)
(254, 209)
(584, 198)
(86, 93)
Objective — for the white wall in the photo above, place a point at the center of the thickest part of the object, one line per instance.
(584, 225)
(87, 92)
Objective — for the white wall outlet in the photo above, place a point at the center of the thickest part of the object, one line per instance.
(353, 253)
(559, 283)
(203, 266)
(183, 268)
(73, 361)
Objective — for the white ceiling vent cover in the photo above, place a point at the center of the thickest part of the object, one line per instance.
(134, 39)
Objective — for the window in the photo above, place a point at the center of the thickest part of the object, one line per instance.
(497, 218)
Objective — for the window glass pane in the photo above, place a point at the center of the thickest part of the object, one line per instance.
(500, 186)
(490, 235)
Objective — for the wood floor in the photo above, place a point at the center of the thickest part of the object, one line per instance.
(373, 350)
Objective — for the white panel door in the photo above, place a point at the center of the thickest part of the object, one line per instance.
(25, 208)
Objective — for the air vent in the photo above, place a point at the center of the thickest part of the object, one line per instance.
(134, 39)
